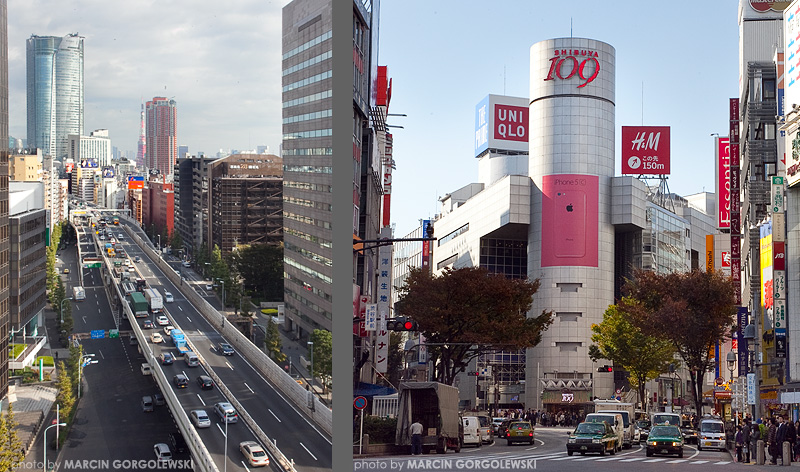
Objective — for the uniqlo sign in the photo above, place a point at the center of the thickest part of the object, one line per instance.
(510, 123)
(645, 150)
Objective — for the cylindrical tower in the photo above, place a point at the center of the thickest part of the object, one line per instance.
(571, 240)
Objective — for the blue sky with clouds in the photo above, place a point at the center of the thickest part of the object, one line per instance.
(676, 65)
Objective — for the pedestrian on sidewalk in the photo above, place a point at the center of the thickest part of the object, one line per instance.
(772, 446)
(746, 440)
(791, 437)
(739, 443)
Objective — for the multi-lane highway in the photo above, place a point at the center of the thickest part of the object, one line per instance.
(297, 437)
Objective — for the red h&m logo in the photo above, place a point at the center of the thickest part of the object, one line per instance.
(726, 259)
(511, 123)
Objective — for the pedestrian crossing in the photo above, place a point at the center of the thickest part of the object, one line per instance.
(620, 457)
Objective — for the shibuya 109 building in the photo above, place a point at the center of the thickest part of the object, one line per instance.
(549, 206)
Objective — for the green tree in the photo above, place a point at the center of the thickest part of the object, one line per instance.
(175, 240)
(273, 342)
(618, 340)
(464, 313)
(323, 355)
(66, 394)
(11, 452)
(693, 310)
(261, 267)
(73, 367)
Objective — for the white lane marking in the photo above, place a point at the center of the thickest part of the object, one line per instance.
(188, 319)
(590, 458)
(659, 459)
(609, 459)
(676, 461)
(248, 388)
(221, 430)
(722, 462)
(309, 452)
(245, 466)
(229, 366)
(179, 307)
(276, 416)
(101, 354)
(201, 399)
(562, 458)
(699, 462)
(632, 459)
(84, 319)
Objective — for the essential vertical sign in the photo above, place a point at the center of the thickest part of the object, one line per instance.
(723, 178)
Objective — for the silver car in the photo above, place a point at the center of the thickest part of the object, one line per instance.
(200, 418)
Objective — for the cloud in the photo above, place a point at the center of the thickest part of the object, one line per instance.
(220, 61)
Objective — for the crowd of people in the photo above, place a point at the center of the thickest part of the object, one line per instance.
(774, 432)
(561, 418)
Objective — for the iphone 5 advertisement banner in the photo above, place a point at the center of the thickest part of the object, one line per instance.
(570, 220)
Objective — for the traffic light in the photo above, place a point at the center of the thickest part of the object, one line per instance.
(605, 368)
(401, 323)
(473, 373)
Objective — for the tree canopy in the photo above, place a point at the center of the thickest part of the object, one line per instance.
(693, 310)
(644, 356)
(261, 267)
(469, 311)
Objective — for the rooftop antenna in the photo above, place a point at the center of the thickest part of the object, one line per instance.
(504, 79)
(570, 27)
(643, 103)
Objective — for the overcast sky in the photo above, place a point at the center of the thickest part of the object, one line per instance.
(220, 61)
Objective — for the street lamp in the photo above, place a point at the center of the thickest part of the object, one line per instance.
(44, 465)
(223, 292)
(311, 348)
(62, 307)
(750, 337)
(85, 360)
(731, 360)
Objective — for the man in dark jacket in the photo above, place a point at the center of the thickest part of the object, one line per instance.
(791, 436)
(746, 439)
(772, 441)
(780, 436)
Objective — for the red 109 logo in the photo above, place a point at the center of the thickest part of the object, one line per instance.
(565, 65)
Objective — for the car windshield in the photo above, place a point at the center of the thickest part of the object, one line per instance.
(668, 419)
(643, 424)
(665, 431)
(591, 428)
(711, 427)
(483, 420)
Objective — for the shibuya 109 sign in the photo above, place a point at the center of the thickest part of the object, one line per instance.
(579, 63)
(645, 150)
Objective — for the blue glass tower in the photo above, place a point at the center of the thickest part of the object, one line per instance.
(55, 92)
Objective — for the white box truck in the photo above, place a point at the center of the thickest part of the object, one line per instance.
(627, 411)
(154, 300)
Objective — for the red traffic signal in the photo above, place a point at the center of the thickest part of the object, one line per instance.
(401, 323)
(605, 368)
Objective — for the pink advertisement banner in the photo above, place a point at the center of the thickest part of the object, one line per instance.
(570, 220)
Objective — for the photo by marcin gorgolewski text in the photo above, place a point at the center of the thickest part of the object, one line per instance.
(444, 464)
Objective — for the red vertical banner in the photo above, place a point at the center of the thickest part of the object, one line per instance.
(735, 210)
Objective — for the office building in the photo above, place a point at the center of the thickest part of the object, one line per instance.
(27, 271)
(55, 92)
(245, 201)
(308, 165)
(191, 202)
(161, 136)
(4, 229)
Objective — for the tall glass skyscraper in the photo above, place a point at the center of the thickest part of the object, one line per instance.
(55, 92)
(161, 135)
(307, 165)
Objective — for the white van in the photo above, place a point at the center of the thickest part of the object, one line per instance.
(628, 426)
(627, 412)
(472, 433)
(614, 420)
(711, 434)
(191, 359)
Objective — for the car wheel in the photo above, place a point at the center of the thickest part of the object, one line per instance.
(680, 454)
(649, 453)
(699, 448)
(569, 453)
(509, 442)
(480, 443)
(458, 447)
(613, 452)
(603, 451)
(583, 453)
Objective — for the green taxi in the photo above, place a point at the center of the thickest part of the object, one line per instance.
(519, 431)
(592, 436)
(665, 439)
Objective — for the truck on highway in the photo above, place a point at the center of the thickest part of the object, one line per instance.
(154, 300)
(435, 406)
(78, 293)
(138, 305)
(179, 340)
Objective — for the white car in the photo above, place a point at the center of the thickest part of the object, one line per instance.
(254, 453)
(162, 320)
(163, 453)
(168, 297)
(156, 338)
(168, 329)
